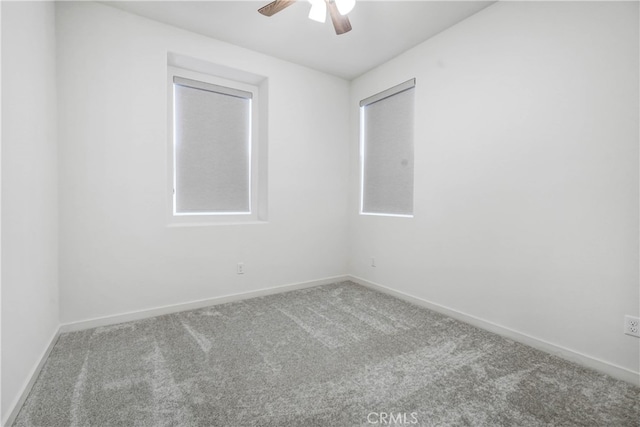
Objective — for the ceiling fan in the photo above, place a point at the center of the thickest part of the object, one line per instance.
(338, 10)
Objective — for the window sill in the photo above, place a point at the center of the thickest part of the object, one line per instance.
(213, 224)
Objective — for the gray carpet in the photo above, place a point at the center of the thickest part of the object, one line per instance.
(334, 355)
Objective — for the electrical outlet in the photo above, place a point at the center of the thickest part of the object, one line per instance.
(632, 326)
(240, 268)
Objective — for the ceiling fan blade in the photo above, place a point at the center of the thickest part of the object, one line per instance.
(340, 23)
(275, 7)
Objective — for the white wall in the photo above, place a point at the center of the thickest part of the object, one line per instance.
(29, 193)
(116, 252)
(526, 182)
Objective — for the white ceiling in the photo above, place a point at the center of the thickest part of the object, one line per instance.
(381, 29)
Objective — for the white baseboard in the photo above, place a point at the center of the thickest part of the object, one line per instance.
(192, 305)
(615, 371)
(26, 389)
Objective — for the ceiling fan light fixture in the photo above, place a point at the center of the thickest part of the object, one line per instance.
(318, 11)
(345, 6)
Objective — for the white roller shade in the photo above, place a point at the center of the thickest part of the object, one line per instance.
(212, 128)
(387, 151)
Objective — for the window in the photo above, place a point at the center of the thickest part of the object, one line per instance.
(213, 148)
(386, 151)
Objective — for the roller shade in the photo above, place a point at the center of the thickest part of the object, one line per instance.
(212, 131)
(387, 151)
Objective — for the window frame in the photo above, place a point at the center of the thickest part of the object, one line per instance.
(213, 218)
